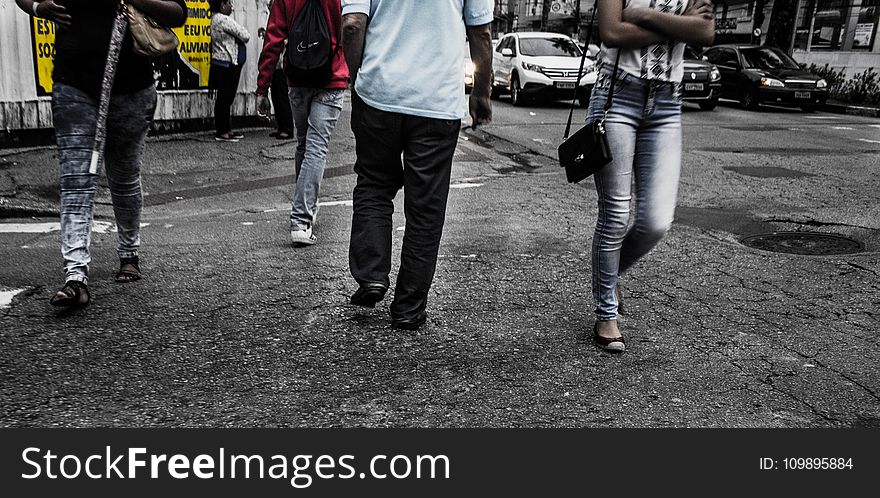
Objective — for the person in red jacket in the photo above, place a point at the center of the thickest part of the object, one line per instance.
(315, 108)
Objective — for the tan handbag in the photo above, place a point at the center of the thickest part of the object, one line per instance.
(150, 38)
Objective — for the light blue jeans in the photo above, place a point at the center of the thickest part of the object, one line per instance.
(315, 112)
(644, 134)
(74, 114)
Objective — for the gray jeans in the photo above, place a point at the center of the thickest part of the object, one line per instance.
(74, 113)
(315, 112)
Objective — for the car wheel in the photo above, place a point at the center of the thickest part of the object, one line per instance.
(748, 100)
(495, 93)
(584, 97)
(516, 97)
(708, 105)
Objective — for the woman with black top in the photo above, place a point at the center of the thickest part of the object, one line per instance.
(81, 46)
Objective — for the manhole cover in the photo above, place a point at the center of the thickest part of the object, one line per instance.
(811, 243)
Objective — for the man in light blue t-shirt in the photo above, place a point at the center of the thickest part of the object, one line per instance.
(406, 60)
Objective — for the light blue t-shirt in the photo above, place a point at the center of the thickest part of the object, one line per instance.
(414, 54)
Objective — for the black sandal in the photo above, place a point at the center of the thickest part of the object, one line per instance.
(129, 271)
(72, 295)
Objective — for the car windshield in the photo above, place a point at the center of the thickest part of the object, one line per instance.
(767, 58)
(542, 47)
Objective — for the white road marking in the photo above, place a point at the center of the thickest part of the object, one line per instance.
(97, 227)
(874, 126)
(336, 203)
(465, 185)
(6, 297)
(247, 223)
(841, 128)
(822, 117)
(400, 229)
(870, 141)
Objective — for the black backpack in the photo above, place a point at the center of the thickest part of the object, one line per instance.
(310, 50)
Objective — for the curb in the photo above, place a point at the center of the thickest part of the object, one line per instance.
(10, 139)
(852, 110)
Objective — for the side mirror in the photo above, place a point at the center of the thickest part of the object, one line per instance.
(593, 51)
(506, 52)
(705, 58)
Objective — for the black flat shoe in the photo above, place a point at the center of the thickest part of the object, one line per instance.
(610, 344)
(369, 294)
(413, 323)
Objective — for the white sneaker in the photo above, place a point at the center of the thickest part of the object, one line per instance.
(303, 237)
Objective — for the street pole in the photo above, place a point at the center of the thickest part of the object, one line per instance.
(797, 14)
(577, 21)
(511, 15)
(545, 14)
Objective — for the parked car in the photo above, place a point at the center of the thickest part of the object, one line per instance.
(754, 75)
(540, 65)
(701, 82)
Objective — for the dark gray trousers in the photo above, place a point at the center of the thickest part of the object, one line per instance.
(393, 151)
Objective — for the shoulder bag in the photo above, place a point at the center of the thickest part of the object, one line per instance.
(151, 39)
(587, 151)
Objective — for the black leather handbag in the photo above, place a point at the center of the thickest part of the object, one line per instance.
(587, 151)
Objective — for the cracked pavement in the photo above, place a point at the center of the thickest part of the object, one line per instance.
(234, 328)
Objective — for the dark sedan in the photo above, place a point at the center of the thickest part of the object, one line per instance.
(701, 82)
(754, 75)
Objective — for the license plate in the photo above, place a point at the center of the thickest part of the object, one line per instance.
(693, 87)
(801, 95)
(565, 84)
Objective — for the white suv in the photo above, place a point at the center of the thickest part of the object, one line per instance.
(545, 65)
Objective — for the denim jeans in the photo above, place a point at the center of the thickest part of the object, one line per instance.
(74, 113)
(399, 150)
(315, 112)
(644, 134)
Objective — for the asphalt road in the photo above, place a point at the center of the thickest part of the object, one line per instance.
(233, 327)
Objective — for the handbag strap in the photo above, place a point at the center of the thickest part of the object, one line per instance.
(577, 85)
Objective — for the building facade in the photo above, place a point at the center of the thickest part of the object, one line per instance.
(840, 33)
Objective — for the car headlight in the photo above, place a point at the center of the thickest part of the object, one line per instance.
(532, 67)
(821, 84)
(469, 68)
(715, 74)
(771, 82)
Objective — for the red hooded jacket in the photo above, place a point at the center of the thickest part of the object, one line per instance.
(281, 15)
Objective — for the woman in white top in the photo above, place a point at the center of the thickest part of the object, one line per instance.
(228, 54)
(646, 38)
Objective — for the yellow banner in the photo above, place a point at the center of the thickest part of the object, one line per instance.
(195, 39)
(44, 53)
(186, 69)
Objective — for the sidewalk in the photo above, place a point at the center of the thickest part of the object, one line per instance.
(851, 109)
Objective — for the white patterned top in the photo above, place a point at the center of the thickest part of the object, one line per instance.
(662, 61)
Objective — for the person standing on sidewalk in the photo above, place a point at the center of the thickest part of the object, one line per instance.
(316, 102)
(406, 59)
(228, 54)
(81, 46)
(645, 39)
